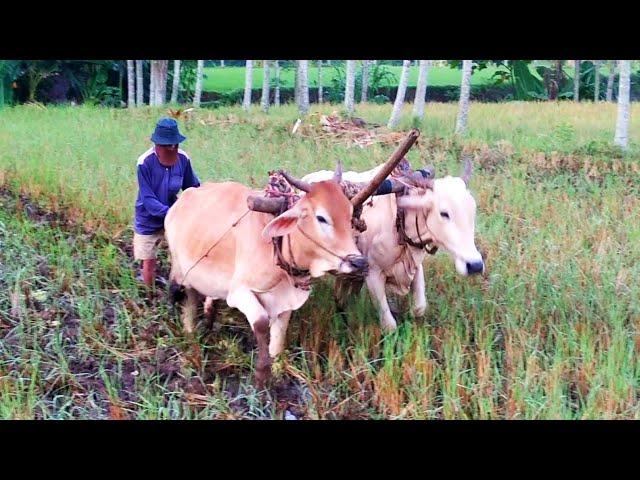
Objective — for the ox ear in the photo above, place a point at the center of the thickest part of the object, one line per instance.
(282, 224)
(468, 168)
(416, 202)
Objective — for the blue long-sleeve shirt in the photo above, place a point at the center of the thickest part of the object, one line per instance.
(158, 188)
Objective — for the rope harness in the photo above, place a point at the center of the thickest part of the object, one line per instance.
(426, 244)
(215, 244)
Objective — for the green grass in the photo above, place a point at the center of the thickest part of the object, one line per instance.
(551, 331)
(232, 78)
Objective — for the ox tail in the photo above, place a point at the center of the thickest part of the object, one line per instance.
(176, 293)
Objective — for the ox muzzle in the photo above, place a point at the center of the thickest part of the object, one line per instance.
(353, 265)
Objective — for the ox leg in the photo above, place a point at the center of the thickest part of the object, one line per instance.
(190, 310)
(376, 284)
(244, 300)
(279, 333)
(417, 289)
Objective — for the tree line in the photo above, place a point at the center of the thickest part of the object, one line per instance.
(148, 82)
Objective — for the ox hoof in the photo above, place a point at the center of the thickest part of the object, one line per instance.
(263, 374)
(389, 327)
(419, 311)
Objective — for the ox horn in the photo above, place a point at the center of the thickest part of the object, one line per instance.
(337, 175)
(428, 172)
(266, 205)
(299, 184)
(468, 167)
(414, 179)
(388, 167)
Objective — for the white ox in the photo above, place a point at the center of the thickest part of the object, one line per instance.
(222, 250)
(441, 210)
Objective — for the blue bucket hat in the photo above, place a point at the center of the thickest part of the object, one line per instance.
(167, 133)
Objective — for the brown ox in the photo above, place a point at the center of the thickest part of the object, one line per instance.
(442, 211)
(222, 250)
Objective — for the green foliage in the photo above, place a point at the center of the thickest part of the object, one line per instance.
(515, 72)
(9, 70)
(588, 79)
(188, 74)
(380, 76)
(93, 85)
(526, 84)
(380, 99)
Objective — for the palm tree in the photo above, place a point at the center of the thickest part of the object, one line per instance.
(596, 91)
(421, 89)
(248, 82)
(465, 90)
(161, 81)
(319, 81)
(265, 86)
(576, 81)
(152, 83)
(350, 86)
(176, 81)
(131, 89)
(622, 125)
(139, 83)
(303, 86)
(276, 97)
(612, 75)
(197, 95)
(365, 80)
(296, 88)
(402, 88)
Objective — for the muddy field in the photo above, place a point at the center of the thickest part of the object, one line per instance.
(552, 330)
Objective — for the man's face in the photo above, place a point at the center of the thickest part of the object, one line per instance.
(168, 154)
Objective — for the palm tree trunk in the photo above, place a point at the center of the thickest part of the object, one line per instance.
(248, 84)
(576, 81)
(131, 84)
(622, 125)
(421, 89)
(197, 95)
(152, 83)
(399, 102)
(612, 75)
(465, 90)
(596, 87)
(276, 98)
(176, 81)
(319, 81)
(350, 86)
(161, 82)
(139, 83)
(365, 81)
(265, 86)
(296, 87)
(303, 84)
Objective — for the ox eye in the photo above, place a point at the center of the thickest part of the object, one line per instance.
(321, 219)
(444, 215)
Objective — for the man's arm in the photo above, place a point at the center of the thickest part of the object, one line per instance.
(190, 179)
(154, 206)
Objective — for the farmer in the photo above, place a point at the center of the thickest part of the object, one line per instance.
(163, 171)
